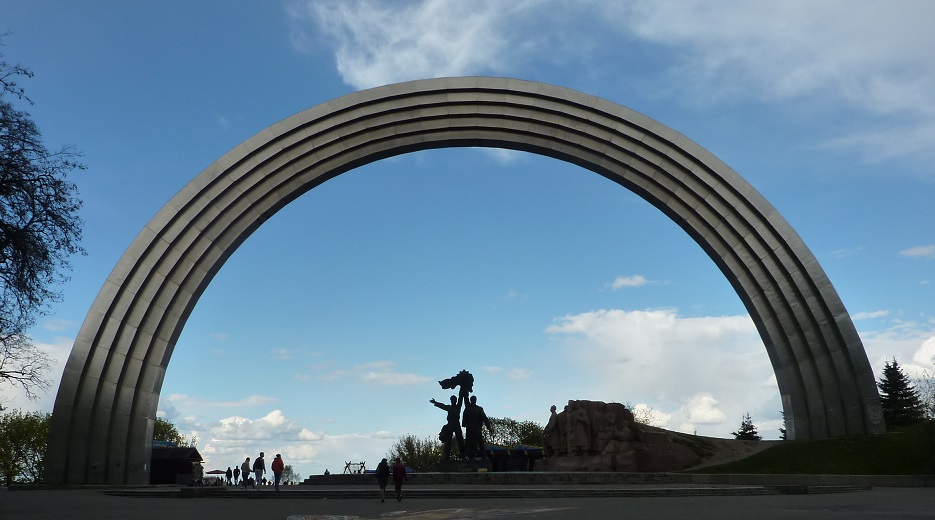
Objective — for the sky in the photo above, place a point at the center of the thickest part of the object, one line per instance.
(323, 337)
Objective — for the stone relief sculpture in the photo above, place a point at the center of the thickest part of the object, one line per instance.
(598, 436)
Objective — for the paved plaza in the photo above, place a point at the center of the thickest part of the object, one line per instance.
(877, 503)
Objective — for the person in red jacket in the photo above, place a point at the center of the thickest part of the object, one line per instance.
(277, 466)
(399, 476)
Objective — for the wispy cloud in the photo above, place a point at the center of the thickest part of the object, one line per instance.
(224, 123)
(863, 56)
(519, 373)
(838, 254)
(58, 325)
(919, 251)
(870, 315)
(621, 282)
(253, 400)
(283, 354)
(383, 373)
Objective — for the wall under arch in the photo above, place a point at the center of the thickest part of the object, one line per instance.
(105, 409)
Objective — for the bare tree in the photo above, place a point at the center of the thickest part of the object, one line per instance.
(925, 386)
(289, 476)
(39, 230)
(23, 365)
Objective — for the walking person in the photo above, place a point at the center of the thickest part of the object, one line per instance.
(236, 474)
(399, 476)
(383, 476)
(229, 474)
(259, 468)
(245, 471)
(277, 466)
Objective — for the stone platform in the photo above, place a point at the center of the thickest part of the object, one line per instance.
(546, 485)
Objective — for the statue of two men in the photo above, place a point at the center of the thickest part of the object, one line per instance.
(474, 418)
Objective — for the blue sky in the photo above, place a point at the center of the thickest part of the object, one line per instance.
(323, 336)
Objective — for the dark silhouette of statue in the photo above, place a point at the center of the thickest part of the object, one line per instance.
(453, 426)
(464, 379)
(474, 420)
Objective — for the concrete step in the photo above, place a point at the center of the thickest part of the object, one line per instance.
(337, 493)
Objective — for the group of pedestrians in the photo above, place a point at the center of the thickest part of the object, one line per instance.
(258, 468)
(399, 476)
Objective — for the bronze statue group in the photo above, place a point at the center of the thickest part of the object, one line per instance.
(471, 442)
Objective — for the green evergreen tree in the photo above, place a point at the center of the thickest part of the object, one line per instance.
(747, 431)
(901, 403)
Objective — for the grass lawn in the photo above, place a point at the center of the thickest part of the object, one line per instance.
(906, 451)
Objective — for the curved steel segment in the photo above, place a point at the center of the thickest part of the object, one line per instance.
(106, 405)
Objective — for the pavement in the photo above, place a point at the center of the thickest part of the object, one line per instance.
(658, 502)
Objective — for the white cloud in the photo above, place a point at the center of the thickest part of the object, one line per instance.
(388, 378)
(703, 409)
(700, 373)
(378, 43)
(228, 441)
(519, 373)
(382, 372)
(253, 400)
(58, 325)
(838, 254)
(910, 343)
(924, 357)
(620, 282)
(283, 354)
(867, 56)
(705, 373)
(919, 252)
(503, 156)
(869, 315)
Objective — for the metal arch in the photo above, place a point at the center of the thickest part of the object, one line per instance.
(105, 409)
